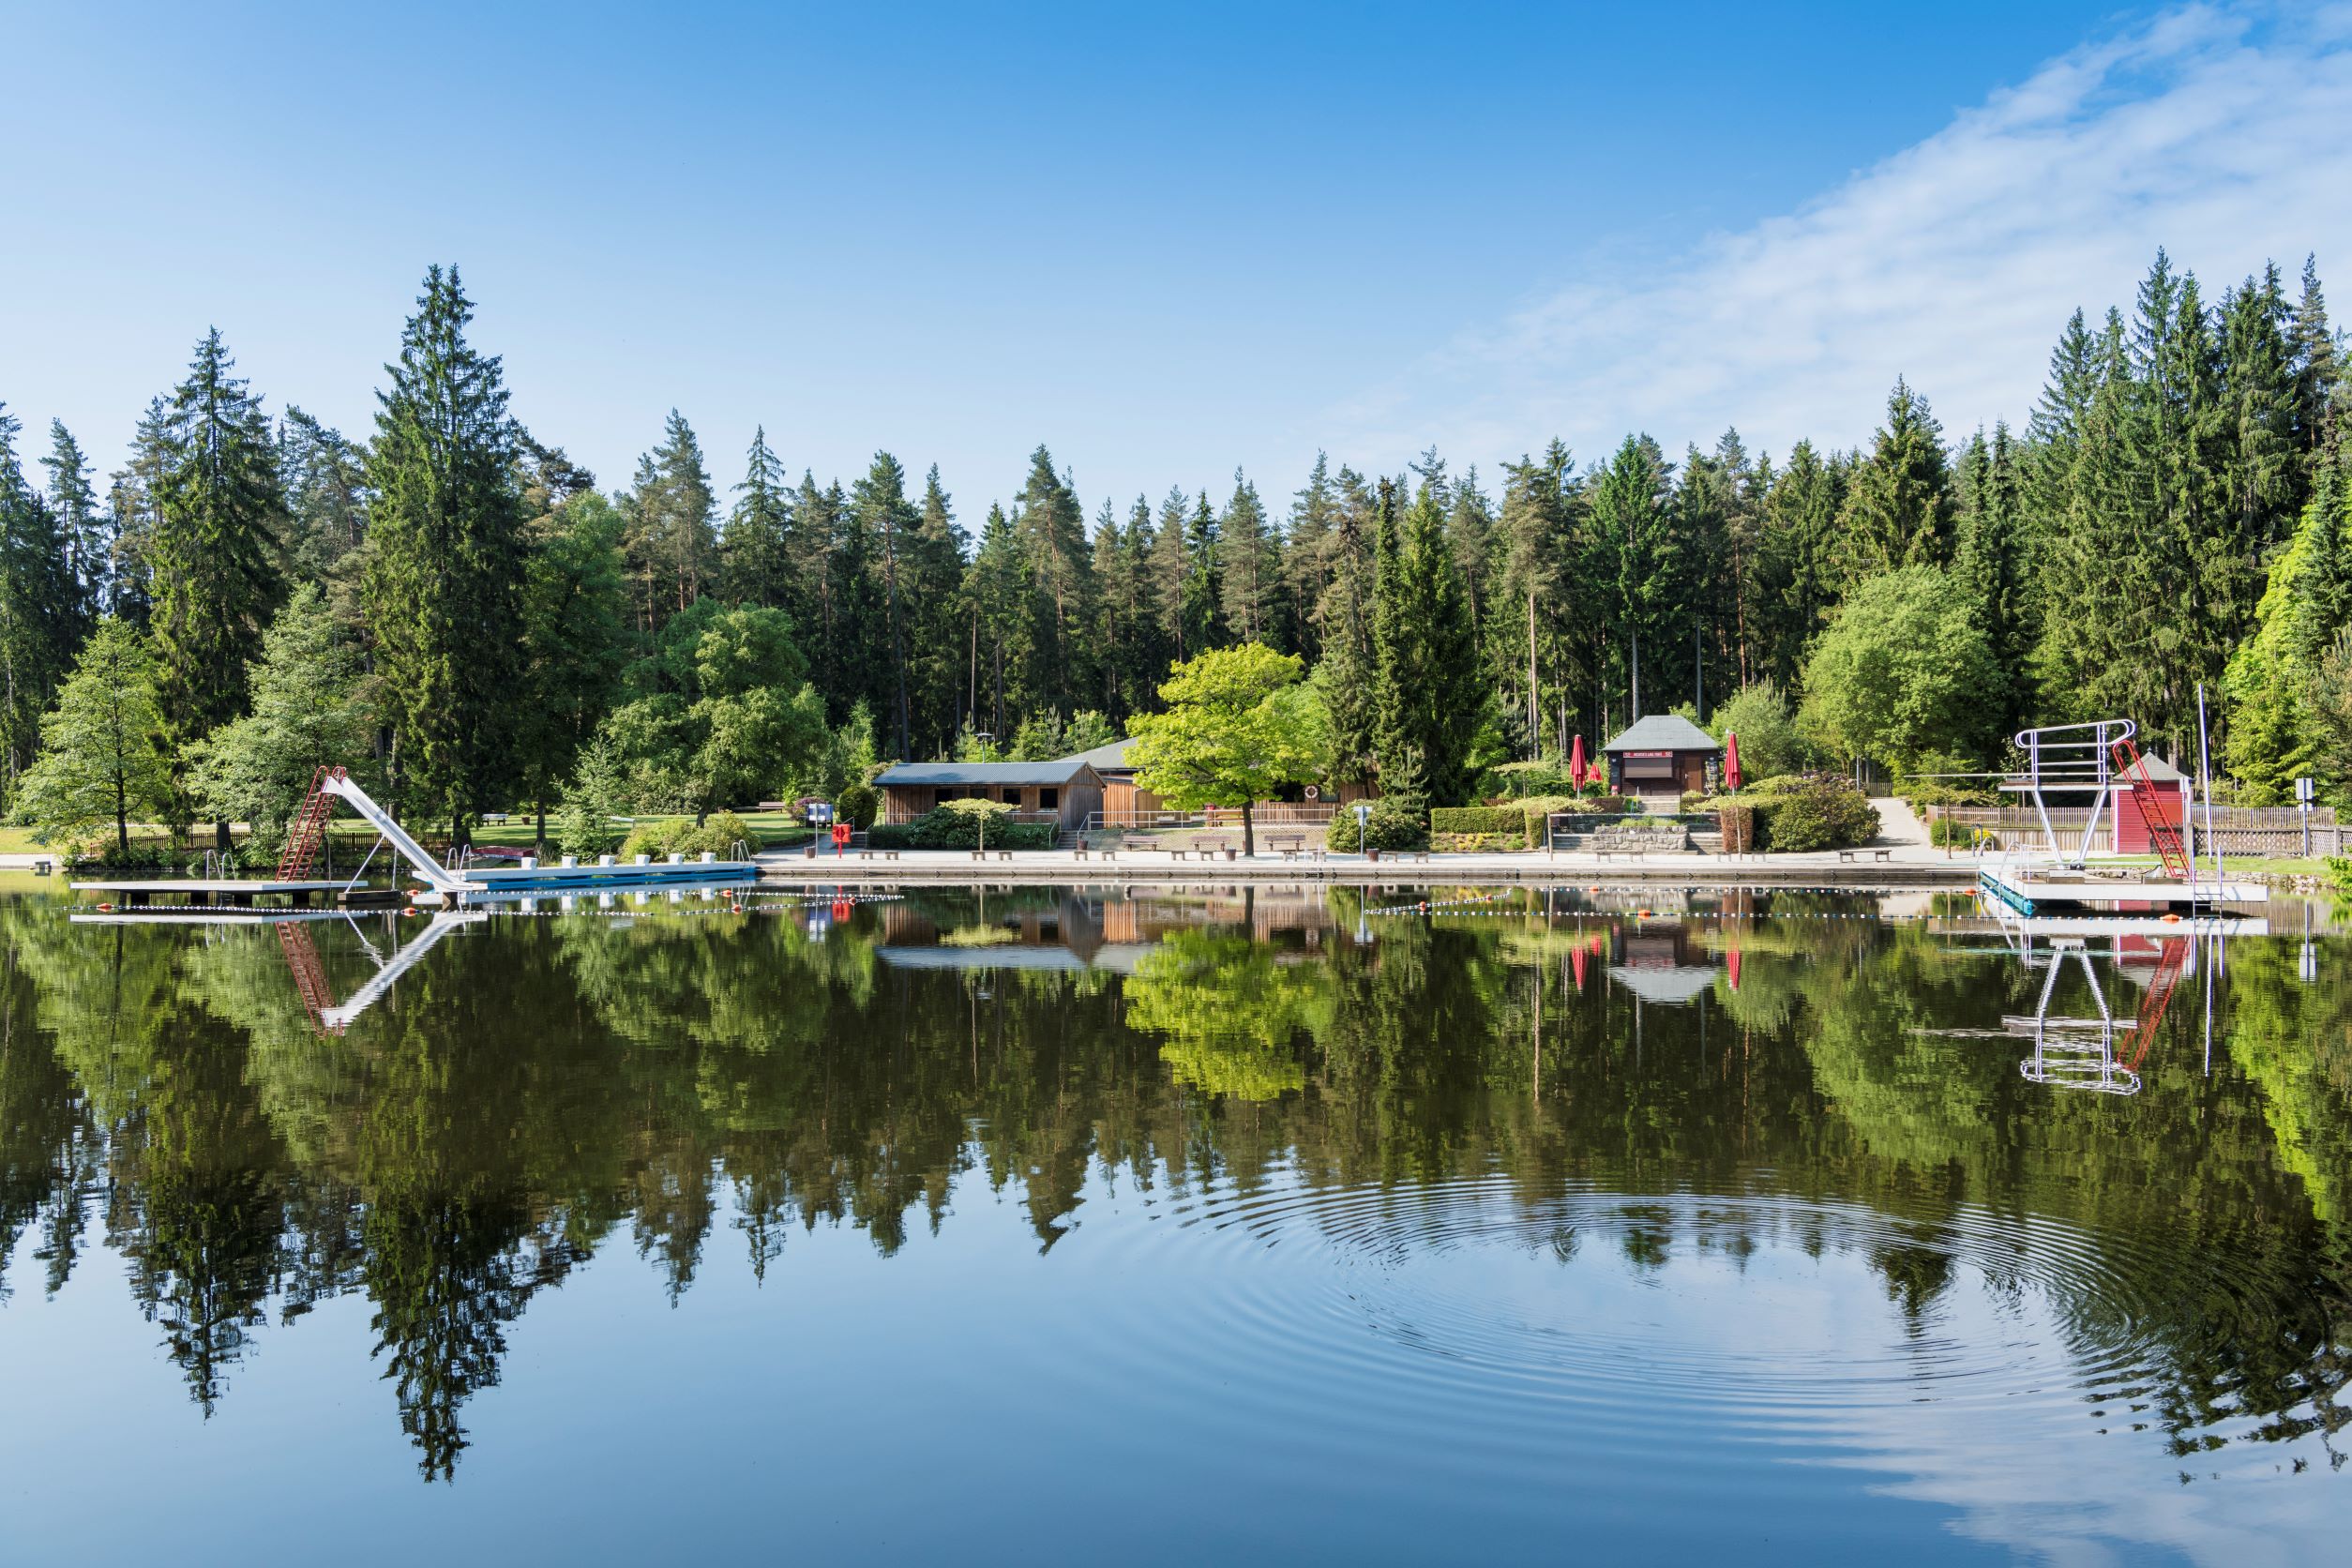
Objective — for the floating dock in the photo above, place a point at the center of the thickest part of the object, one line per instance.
(2060, 889)
(205, 891)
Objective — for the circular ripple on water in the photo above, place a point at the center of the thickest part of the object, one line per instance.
(1773, 1313)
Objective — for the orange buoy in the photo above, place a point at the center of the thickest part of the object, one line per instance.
(106, 909)
(2171, 919)
(410, 912)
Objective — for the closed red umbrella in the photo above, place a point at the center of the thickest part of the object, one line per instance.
(1731, 760)
(1576, 769)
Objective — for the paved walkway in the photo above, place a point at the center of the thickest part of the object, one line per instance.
(1906, 864)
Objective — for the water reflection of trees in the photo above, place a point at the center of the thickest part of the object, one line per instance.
(537, 1087)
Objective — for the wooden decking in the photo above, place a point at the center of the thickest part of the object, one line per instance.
(236, 891)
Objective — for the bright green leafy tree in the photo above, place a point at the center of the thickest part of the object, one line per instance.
(1240, 724)
(101, 746)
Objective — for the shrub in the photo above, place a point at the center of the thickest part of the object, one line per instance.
(1948, 832)
(1818, 812)
(668, 836)
(1477, 843)
(1479, 820)
(1544, 776)
(857, 805)
(1391, 826)
(944, 827)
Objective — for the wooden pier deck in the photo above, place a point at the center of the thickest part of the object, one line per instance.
(236, 891)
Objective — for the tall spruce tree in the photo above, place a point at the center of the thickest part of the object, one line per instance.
(1991, 563)
(81, 527)
(673, 546)
(754, 549)
(1430, 692)
(935, 574)
(1051, 530)
(446, 568)
(1796, 570)
(38, 626)
(1171, 575)
(1531, 638)
(216, 577)
(324, 478)
(1898, 506)
(1642, 572)
(887, 519)
(1203, 594)
(1251, 591)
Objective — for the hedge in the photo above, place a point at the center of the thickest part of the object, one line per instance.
(1390, 827)
(960, 830)
(1479, 818)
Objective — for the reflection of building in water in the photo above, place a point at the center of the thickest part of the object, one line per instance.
(1084, 927)
(1659, 963)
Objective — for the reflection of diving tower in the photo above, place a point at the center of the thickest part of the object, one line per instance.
(2079, 1051)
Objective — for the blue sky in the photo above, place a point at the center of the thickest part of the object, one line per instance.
(1164, 246)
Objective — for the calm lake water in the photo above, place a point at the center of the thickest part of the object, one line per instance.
(1182, 1225)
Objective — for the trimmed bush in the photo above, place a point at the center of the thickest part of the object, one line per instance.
(1389, 826)
(857, 805)
(943, 829)
(1479, 820)
(1477, 843)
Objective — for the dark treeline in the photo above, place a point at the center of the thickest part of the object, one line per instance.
(2172, 514)
(705, 1090)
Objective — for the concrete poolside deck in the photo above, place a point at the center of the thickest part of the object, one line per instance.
(1905, 865)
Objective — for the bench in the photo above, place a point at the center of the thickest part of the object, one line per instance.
(1105, 852)
(886, 854)
(1288, 845)
(1210, 848)
(982, 854)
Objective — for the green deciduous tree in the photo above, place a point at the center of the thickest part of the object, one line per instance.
(1239, 725)
(1903, 668)
(101, 754)
(306, 712)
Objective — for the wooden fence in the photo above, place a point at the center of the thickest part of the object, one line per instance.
(2273, 832)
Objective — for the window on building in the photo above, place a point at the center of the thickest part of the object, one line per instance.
(1012, 797)
(1049, 800)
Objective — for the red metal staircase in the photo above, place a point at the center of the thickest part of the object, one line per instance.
(305, 835)
(2145, 795)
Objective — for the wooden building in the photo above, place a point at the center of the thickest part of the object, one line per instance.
(1660, 757)
(1066, 790)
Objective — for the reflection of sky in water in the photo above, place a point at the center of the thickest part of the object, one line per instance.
(1295, 1371)
(1422, 1307)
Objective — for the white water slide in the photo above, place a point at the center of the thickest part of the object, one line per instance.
(438, 877)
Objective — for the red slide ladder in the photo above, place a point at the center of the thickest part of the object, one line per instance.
(2145, 794)
(305, 835)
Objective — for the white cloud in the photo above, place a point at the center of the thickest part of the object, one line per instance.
(2222, 135)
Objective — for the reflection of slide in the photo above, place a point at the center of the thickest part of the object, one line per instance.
(310, 977)
(2072, 1052)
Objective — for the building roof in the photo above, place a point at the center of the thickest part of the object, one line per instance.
(1664, 732)
(932, 774)
(1107, 759)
